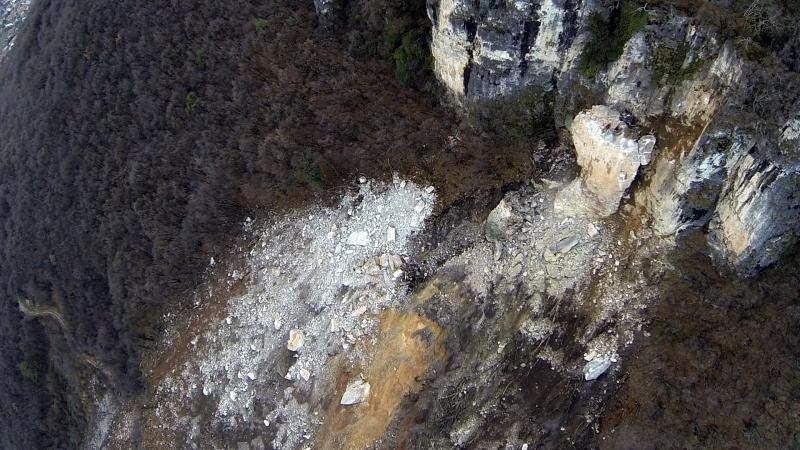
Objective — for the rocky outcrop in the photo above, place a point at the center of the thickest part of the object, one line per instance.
(323, 7)
(672, 69)
(498, 222)
(684, 184)
(742, 189)
(758, 213)
(482, 49)
(609, 154)
(727, 167)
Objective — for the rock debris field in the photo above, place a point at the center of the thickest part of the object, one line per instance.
(324, 338)
(335, 318)
(317, 280)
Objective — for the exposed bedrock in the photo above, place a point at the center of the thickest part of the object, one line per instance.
(726, 124)
(758, 213)
(740, 187)
(485, 49)
(609, 154)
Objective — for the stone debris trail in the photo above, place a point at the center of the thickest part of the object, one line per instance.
(317, 280)
(12, 15)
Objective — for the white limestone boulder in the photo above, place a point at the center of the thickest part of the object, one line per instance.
(609, 154)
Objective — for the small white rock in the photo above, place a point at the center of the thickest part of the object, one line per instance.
(357, 391)
(232, 395)
(277, 324)
(305, 374)
(362, 180)
(391, 234)
(646, 145)
(296, 340)
(360, 238)
(592, 230)
(594, 368)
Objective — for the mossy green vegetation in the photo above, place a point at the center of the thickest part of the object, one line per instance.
(396, 31)
(668, 64)
(526, 116)
(260, 24)
(30, 371)
(200, 58)
(608, 36)
(192, 101)
(412, 57)
(407, 43)
(311, 174)
(396, 28)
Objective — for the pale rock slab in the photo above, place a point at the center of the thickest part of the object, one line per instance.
(594, 368)
(609, 154)
(357, 391)
(359, 238)
(296, 340)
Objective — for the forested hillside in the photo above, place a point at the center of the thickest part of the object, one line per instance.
(136, 135)
(567, 224)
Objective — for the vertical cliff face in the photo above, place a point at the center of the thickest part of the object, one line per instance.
(486, 49)
(732, 161)
(685, 187)
(671, 66)
(451, 44)
(757, 214)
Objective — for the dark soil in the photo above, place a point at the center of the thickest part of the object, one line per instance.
(721, 367)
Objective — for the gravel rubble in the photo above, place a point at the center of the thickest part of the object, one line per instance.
(316, 281)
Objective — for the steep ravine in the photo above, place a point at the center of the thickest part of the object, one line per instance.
(576, 228)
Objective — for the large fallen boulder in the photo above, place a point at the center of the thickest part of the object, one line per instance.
(609, 153)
